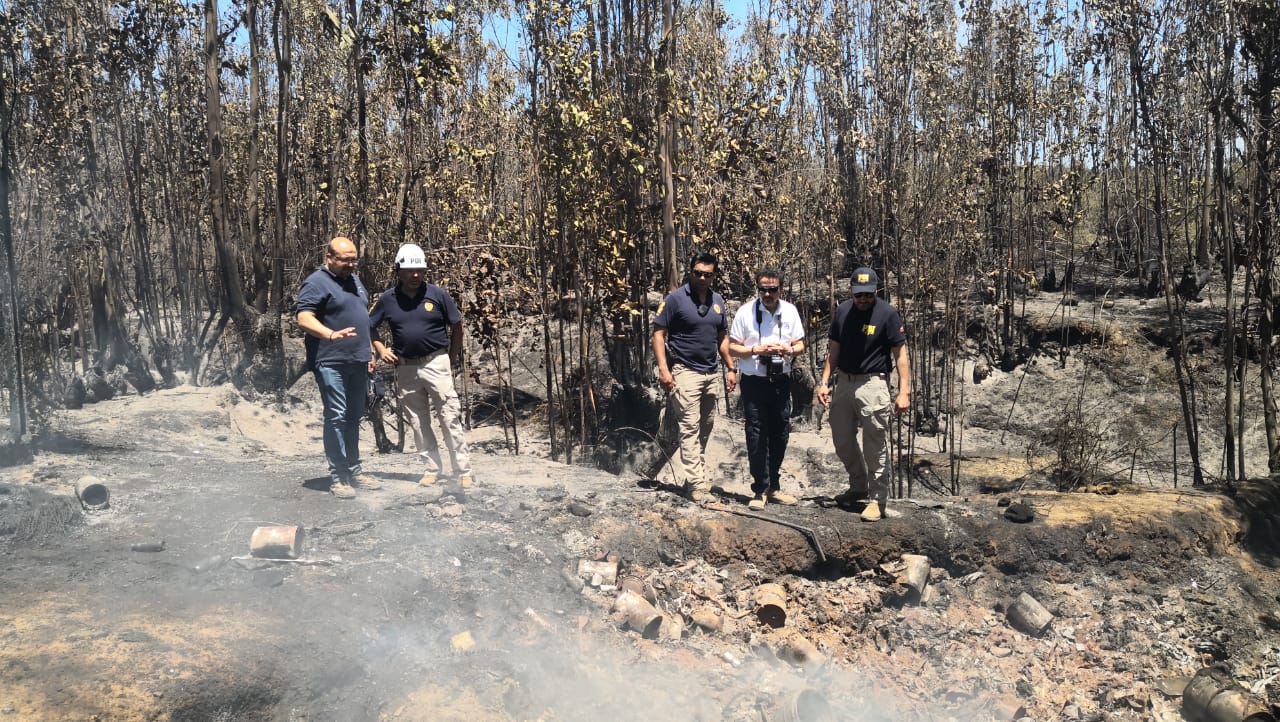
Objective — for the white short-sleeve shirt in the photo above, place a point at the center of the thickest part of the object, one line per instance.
(754, 329)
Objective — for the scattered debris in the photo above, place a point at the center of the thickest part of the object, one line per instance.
(147, 546)
(276, 542)
(92, 493)
(599, 573)
(462, 642)
(1020, 513)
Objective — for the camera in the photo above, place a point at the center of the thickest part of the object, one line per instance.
(774, 367)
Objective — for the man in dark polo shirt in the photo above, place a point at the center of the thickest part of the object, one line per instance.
(866, 341)
(333, 308)
(690, 340)
(426, 343)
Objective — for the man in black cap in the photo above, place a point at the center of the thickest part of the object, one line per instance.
(866, 339)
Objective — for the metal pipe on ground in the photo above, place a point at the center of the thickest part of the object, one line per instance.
(1214, 696)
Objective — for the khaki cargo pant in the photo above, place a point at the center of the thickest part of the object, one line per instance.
(686, 426)
(427, 385)
(862, 403)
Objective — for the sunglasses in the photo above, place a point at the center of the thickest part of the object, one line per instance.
(767, 289)
(702, 274)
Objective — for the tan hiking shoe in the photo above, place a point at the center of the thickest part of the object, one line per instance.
(871, 512)
(428, 479)
(342, 490)
(757, 502)
(465, 481)
(777, 497)
(697, 496)
(364, 481)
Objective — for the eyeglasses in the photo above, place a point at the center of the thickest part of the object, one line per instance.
(702, 274)
(768, 289)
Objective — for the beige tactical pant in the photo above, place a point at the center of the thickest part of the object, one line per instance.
(862, 403)
(687, 421)
(427, 385)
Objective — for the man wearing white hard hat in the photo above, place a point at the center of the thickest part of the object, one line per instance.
(426, 343)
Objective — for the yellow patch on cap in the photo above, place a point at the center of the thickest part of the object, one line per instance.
(429, 306)
(864, 278)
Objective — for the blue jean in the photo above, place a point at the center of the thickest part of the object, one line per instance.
(344, 389)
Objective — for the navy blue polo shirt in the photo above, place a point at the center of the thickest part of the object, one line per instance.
(419, 323)
(337, 303)
(693, 338)
(866, 338)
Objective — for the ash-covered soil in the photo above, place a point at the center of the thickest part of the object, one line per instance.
(434, 604)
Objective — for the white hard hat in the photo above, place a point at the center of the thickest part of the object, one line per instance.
(410, 256)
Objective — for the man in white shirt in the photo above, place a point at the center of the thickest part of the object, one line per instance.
(766, 334)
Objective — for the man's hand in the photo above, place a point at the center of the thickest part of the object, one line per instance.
(903, 402)
(824, 395)
(348, 332)
(666, 380)
(731, 381)
(388, 356)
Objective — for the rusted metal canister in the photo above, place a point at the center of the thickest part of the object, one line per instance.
(916, 574)
(276, 542)
(92, 492)
(771, 604)
(805, 705)
(639, 615)
(1029, 615)
(1213, 696)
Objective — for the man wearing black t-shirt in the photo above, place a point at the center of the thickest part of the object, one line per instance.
(426, 345)
(866, 341)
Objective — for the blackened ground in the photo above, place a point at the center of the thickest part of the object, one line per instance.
(434, 603)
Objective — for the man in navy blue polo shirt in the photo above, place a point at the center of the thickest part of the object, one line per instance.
(690, 340)
(426, 335)
(333, 308)
(865, 342)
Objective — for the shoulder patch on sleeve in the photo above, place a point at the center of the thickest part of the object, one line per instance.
(661, 306)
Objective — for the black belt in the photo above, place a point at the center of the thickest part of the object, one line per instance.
(420, 359)
(863, 377)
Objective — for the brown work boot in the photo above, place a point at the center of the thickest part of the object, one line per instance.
(428, 479)
(364, 481)
(342, 490)
(757, 502)
(465, 481)
(871, 512)
(697, 495)
(777, 497)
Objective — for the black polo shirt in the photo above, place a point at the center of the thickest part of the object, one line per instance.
(338, 303)
(419, 323)
(693, 337)
(866, 338)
